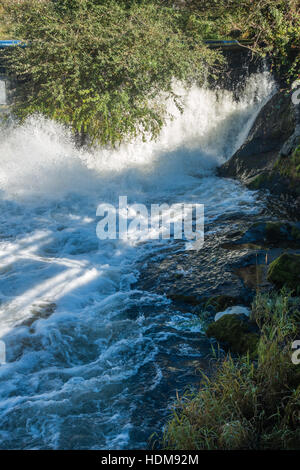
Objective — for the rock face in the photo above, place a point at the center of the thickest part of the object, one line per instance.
(235, 332)
(270, 157)
(285, 271)
(272, 128)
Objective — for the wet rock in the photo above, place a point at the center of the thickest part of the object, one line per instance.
(185, 298)
(271, 234)
(277, 183)
(207, 277)
(285, 271)
(236, 333)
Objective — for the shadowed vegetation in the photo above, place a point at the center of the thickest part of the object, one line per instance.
(247, 404)
(272, 27)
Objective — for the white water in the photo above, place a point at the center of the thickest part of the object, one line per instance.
(84, 350)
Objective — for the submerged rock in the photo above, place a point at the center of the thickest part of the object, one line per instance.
(285, 271)
(236, 333)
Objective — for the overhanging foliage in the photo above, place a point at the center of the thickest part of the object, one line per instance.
(99, 66)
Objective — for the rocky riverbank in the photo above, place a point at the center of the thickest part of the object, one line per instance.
(245, 286)
(269, 160)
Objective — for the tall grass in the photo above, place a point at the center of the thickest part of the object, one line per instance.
(247, 404)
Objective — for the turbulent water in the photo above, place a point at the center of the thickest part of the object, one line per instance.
(92, 361)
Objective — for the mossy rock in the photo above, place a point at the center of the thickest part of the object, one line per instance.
(290, 166)
(236, 332)
(260, 181)
(285, 271)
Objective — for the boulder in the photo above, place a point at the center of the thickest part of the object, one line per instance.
(274, 125)
(270, 157)
(285, 271)
(236, 332)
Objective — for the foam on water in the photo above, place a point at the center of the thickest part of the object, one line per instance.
(87, 363)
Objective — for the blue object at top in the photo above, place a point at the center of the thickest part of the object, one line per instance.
(212, 41)
(16, 42)
(10, 43)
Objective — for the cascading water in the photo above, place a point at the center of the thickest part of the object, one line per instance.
(89, 357)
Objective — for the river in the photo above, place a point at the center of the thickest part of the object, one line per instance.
(93, 359)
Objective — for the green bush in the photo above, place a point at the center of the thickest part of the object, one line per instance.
(102, 67)
(272, 27)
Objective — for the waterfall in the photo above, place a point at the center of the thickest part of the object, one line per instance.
(39, 157)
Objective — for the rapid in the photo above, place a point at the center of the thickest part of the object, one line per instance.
(94, 361)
